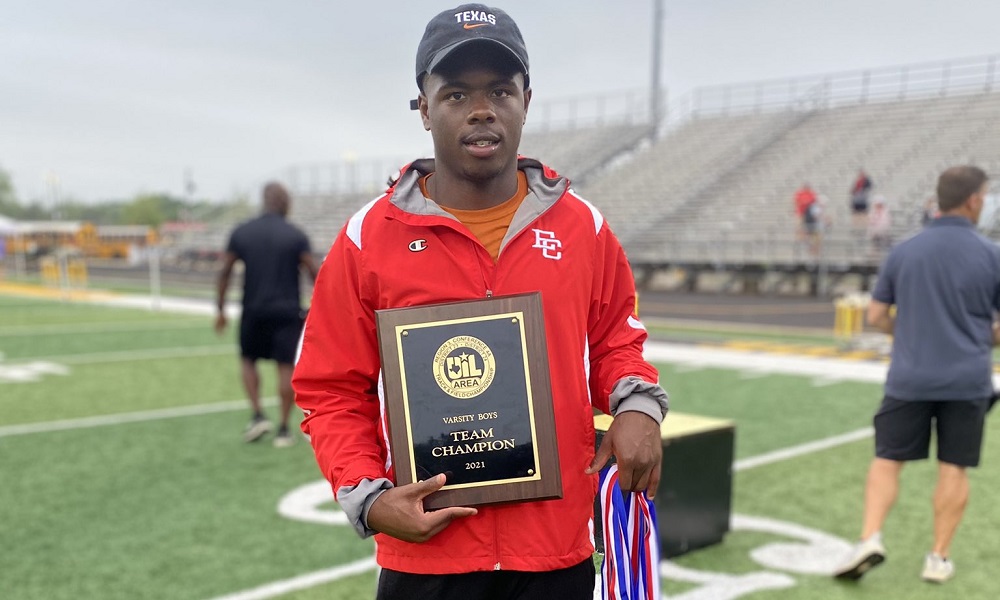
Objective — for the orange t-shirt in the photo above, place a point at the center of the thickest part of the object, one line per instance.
(489, 225)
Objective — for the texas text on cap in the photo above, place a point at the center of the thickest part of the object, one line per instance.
(468, 23)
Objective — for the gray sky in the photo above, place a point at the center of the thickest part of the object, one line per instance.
(107, 98)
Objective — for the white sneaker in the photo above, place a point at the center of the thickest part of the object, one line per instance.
(937, 569)
(257, 428)
(283, 439)
(866, 555)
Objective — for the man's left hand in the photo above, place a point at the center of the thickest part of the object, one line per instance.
(634, 440)
(220, 323)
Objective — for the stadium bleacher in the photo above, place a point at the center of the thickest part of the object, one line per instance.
(711, 184)
(746, 211)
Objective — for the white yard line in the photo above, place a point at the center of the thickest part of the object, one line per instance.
(102, 327)
(302, 582)
(757, 362)
(132, 417)
(802, 449)
(128, 355)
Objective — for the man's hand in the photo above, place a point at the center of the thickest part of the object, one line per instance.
(220, 323)
(399, 512)
(634, 440)
(880, 316)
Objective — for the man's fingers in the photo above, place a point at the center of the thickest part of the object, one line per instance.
(638, 480)
(601, 458)
(654, 483)
(429, 486)
(439, 519)
(454, 512)
(630, 480)
(624, 479)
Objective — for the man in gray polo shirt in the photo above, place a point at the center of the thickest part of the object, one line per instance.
(945, 285)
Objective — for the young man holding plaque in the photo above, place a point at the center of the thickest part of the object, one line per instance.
(477, 222)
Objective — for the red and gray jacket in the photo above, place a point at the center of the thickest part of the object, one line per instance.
(403, 250)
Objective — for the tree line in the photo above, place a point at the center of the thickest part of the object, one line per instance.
(143, 209)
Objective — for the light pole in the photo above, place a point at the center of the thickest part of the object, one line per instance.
(654, 92)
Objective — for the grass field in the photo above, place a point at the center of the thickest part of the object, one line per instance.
(125, 477)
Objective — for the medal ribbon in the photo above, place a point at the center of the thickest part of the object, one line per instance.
(631, 545)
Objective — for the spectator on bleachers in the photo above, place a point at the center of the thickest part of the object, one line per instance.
(880, 225)
(808, 212)
(859, 200)
(930, 212)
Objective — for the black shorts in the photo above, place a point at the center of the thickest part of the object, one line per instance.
(903, 429)
(270, 337)
(572, 583)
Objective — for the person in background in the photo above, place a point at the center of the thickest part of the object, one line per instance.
(859, 201)
(807, 217)
(880, 225)
(944, 283)
(3, 255)
(273, 252)
(474, 222)
(930, 211)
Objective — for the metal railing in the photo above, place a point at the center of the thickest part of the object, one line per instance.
(894, 83)
(847, 88)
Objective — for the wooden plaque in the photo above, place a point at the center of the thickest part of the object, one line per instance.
(467, 394)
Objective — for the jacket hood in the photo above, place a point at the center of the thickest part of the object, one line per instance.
(545, 187)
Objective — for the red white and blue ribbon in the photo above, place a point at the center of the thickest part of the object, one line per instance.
(631, 546)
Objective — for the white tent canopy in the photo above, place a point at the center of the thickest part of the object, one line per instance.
(7, 225)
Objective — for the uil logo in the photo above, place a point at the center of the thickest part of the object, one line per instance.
(464, 367)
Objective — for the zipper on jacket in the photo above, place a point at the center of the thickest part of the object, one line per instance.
(496, 541)
(482, 272)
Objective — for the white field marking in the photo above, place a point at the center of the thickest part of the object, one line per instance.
(302, 582)
(29, 372)
(811, 552)
(132, 417)
(304, 502)
(825, 381)
(100, 327)
(803, 449)
(205, 306)
(749, 374)
(819, 555)
(823, 368)
(129, 355)
(722, 586)
(807, 366)
(191, 306)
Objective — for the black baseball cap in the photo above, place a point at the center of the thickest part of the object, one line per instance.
(453, 29)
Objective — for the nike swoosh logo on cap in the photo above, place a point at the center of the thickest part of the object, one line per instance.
(471, 26)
